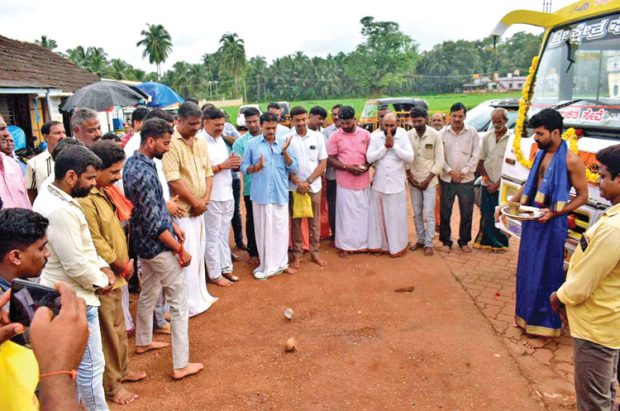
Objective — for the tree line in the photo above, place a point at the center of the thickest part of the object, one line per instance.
(387, 62)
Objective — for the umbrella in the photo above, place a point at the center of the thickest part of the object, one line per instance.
(104, 94)
(161, 95)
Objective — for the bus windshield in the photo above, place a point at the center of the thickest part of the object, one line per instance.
(579, 74)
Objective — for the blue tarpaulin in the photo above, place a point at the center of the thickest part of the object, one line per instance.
(161, 95)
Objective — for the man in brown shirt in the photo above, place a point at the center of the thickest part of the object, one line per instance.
(111, 245)
(188, 170)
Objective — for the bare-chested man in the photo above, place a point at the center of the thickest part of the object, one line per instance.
(541, 253)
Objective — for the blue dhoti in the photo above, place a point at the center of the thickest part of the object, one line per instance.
(540, 268)
(539, 273)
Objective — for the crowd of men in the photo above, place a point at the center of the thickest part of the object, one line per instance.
(165, 205)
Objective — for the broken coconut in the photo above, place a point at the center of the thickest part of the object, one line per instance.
(288, 313)
(291, 344)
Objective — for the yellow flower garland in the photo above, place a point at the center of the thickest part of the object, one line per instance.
(569, 135)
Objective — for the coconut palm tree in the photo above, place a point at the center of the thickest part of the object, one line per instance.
(136, 74)
(197, 79)
(233, 61)
(46, 42)
(258, 78)
(78, 56)
(118, 69)
(178, 79)
(96, 60)
(157, 45)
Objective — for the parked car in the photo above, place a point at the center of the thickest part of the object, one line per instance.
(479, 117)
(401, 106)
(241, 117)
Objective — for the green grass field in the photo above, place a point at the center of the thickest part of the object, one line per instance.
(441, 102)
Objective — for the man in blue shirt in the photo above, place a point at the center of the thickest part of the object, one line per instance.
(252, 122)
(162, 256)
(267, 160)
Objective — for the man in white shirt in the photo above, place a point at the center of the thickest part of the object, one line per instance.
(308, 147)
(316, 118)
(138, 117)
(41, 166)
(389, 151)
(222, 203)
(131, 142)
(422, 175)
(490, 168)
(330, 174)
(461, 148)
(74, 260)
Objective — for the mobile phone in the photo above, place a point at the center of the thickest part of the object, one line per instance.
(26, 298)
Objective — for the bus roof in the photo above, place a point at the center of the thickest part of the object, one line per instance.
(576, 11)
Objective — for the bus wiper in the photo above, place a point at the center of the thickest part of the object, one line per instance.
(566, 103)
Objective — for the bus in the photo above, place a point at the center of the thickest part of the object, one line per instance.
(576, 72)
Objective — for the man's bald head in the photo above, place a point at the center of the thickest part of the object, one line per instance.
(391, 117)
(438, 121)
(389, 123)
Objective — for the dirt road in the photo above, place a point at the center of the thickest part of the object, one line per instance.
(361, 344)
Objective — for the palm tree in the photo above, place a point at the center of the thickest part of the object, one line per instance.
(46, 42)
(118, 69)
(196, 79)
(177, 78)
(232, 51)
(258, 77)
(157, 45)
(78, 56)
(96, 60)
(136, 74)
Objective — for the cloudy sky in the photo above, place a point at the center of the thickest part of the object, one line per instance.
(269, 28)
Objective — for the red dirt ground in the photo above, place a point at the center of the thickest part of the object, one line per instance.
(361, 345)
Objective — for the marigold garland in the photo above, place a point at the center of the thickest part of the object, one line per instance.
(569, 135)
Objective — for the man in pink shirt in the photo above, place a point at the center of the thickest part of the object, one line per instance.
(346, 149)
(13, 191)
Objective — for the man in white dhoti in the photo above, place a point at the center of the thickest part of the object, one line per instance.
(188, 170)
(389, 151)
(222, 205)
(267, 160)
(346, 149)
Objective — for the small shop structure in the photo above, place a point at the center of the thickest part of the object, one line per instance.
(34, 81)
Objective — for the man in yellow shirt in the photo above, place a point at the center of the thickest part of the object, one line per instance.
(57, 344)
(590, 296)
(187, 167)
